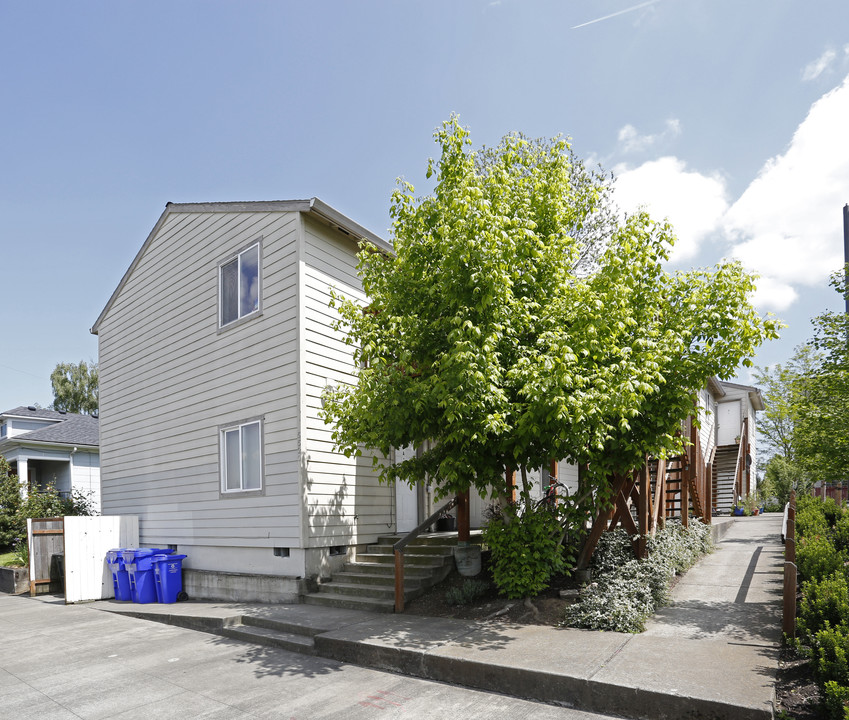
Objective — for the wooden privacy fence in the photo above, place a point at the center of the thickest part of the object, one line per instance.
(46, 555)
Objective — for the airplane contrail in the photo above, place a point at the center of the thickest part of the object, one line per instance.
(621, 12)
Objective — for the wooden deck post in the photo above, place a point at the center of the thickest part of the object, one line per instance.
(552, 480)
(510, 482)
(643, 493)
(463, 519)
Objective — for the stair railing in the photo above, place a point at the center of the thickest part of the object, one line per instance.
(741, 460)
(399, 546)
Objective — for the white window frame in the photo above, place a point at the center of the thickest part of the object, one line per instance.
(222, 435)
(237, 258)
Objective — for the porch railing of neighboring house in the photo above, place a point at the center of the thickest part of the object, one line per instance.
(740, 474)
(399, 546)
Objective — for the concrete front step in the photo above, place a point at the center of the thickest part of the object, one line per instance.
(385, 592)
(409, 559)
(412, 550)
(352, 602)
(387, 570)
(366, 578)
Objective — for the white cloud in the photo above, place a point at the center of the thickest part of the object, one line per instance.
(787, 225)
(816, 68)
(631, 140)
(694, 203)
(773, 295)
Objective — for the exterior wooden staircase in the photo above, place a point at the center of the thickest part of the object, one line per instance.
(724, 476)
(369, 583)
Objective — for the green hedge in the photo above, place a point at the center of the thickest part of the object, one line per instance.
(822, 538)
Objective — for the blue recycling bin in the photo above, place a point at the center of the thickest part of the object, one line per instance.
(120, 576)
(168, 570)
(139, 564)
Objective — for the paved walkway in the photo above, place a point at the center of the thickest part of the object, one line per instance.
(713, 653)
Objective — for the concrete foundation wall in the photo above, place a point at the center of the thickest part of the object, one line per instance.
(14, 580)
(243, 587)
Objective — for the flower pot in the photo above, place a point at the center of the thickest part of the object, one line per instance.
(446, 524)
(468, 559)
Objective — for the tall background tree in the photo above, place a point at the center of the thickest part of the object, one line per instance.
(821, 434)
(782, 387)
(506, 337)
(75, 387)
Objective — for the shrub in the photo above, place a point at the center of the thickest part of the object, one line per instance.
(627, 591)
(525, 541)
(840, 533)
(836, 701)
(816, 558)
(468, 592)
(825, 602)
(830, 650)
(810, 520)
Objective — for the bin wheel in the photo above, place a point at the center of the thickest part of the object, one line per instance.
(182, 595)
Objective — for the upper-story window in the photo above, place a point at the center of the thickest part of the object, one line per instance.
(239, 286)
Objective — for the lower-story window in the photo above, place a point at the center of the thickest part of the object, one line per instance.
(241, 457)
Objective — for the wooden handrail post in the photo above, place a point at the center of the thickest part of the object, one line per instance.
(788, 624)
(399, 581)
(399, 546)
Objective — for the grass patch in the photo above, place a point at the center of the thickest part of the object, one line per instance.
(9, 559)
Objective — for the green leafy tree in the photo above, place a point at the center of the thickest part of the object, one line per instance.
(780, 477)
(821, 434)
(482, 336)
(75, 387)
(11, 528)
(506, 337)
(782, 386)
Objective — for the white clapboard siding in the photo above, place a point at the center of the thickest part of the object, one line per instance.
(170, 379)
(707, 423)
(85, 476)
(87, 576)
(345, 502)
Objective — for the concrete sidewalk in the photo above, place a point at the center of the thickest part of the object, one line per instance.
(713, 653)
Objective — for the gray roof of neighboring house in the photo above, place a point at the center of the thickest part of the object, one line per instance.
(73, 429)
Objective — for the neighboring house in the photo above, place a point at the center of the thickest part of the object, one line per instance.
(215, 349)
(48, 447)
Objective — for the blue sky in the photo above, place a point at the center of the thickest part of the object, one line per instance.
(728, 117)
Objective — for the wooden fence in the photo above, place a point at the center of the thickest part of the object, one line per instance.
(46, 537)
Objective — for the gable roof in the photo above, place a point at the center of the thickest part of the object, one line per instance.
(313, 206)
(66, 428)
(756, 398)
